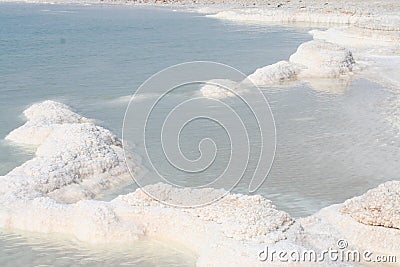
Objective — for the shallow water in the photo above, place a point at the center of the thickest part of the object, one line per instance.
(331, 145)
(27, 249)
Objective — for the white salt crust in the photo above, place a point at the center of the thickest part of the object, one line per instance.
(329, 225)
(42, 118)
(323, 59)
(279, 72)
(49, 194)
(369, 35)
(314, 62)
(379, 206)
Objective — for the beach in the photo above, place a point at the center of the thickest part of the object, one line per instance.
(75, 159)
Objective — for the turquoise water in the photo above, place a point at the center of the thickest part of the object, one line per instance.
(331, 145)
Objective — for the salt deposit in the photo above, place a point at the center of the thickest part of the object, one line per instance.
(221, 88)
(358, 33)
(42, 118)
(75, 158)
(323, 59)
(328, 226)
(276, 73)
(379, 206)
(323, 65)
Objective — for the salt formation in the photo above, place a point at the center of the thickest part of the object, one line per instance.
(221, 88)
(325, 228)
(379, 206)
(276, 73)
(372, 36)
(360, 38)
(381, 17)
(42, 118)
(323, 59)
(314, 62)
(376, 52)
(76, 159)
(241, 217)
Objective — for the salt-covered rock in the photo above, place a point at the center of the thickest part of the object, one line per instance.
(276, 73)
(323, 59)
(379, 206)
(42, 118)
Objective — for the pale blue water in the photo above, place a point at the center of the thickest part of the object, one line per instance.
(330, 146)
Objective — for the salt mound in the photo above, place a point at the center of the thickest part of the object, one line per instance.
(379, 206)
(275, 73)
(323, 65)
(75, 160)
(323, 59)
(325, 228)
(51, 112)
(84, 155)
(241, 217)
(221, 88)
(42, 118)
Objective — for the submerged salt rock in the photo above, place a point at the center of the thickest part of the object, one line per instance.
(276, 73)
(323, 59)
(42, 118)
(221, 88)
(378, 206)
